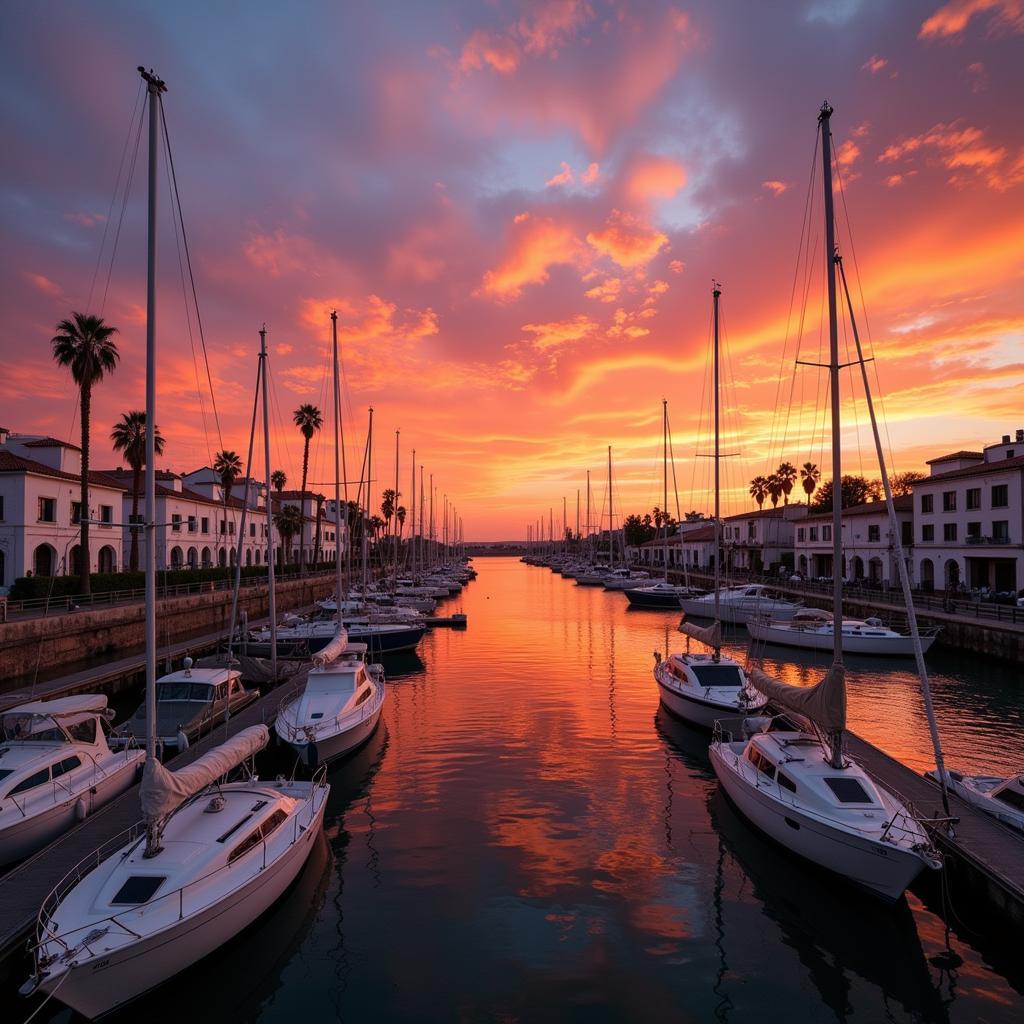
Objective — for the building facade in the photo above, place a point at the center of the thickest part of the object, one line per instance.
(756, 541)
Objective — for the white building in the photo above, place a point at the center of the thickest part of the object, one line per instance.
(40, 495)
(869, 548)
(969, 519)
(755, 541)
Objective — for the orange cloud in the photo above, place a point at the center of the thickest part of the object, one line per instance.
(536, 244)
(549, 25)
(563, 177)
(411, 258)
(44, 284)
(607, 291)
(874, 64)
(958, 149)
(627, 240)
(654, 177)
(848, 153)
(677, 266)
(775, 187)
(560, 333)
(591, 174)
(952, 19)
(486, 49)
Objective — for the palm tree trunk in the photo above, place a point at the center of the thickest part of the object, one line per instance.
(83, 514)
(133, 557)
(302, 506)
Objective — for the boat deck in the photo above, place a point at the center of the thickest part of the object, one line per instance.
(23, 889)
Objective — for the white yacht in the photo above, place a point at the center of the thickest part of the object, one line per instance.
(998, 795)
(213, 857)
(813, 629)
(337, 708)
(740, 604)
(55, 769)
(624, 579)
(706, 687)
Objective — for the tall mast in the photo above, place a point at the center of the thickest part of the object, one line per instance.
(272, 595)
(369, 503)
(394, 507)
(836, 736)
(590, 544)
(716, 293)
(611, 520)
(338, 578)
(421, 518)
(565, 530)
(577, 519)
(154, 88)
(430, 546)
(664, 473)
(412, 519)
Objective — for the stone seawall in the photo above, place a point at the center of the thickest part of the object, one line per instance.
(47, 643)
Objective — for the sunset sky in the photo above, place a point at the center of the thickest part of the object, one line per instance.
(518, 210)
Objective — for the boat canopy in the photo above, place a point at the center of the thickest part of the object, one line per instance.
(824, 703)
(710, 635)
(333, 650)
(78, 704)
(163, 790)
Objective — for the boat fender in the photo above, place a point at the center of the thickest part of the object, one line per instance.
(81, 809)
(182, 740)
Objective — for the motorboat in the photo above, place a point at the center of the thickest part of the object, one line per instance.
(307, 638)
(56, 768)
(998, 795)
(786, 784)
(657, 595)
(211, 859)
(624, 579)
(739, 604)
(191, 702)
(813, 629)
(336, 709)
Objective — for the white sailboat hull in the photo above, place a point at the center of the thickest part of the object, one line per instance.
(331, 747)
(96, 987)
(700, 711)
(814, 640)
(884, 869)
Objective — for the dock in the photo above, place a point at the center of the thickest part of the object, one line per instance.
(23, 889)
(984, 856)
(456, 621)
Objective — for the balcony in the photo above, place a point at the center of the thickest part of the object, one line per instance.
(987, 540)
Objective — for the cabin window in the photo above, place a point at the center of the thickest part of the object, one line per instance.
(272, 823)
(38, 779)
(363, 696)
(1012, 798)
(4, 772)
(83, 732)
(221, 692)
(69, 764)
(718, 675)
(787, 783)
(138, 889)
(762, 764)
(848, 791)
(183, 691)
(252, 839)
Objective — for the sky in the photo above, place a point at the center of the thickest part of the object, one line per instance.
(518, 210)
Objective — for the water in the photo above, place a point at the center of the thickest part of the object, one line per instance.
(529, 838)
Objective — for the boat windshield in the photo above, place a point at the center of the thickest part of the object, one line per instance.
(184, 691)
(718, 675)
(1010, 797)
(36, 727)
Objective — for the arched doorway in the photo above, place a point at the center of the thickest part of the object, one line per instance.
(207, 558)
(222, 558)
(107, 559)
(952, 574)
(232, 556)
(74, 567)
(875, 570)
(927, 574)
(193, 558)
(3, 568)
(802, 565)
(248, 556)
(858, 567)
(177, 557)
(43, 560)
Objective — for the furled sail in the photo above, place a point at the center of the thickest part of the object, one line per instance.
(333, 650)
(163, 790)
(824, 703)
(710, 635)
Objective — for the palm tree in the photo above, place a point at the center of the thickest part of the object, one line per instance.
(288, 521)
(774, 489)
(787, 477)
(228, 466)
(85, 344)
(278, 480)
(809, 477)
(759, 490)
(129, 438)
(309, 420)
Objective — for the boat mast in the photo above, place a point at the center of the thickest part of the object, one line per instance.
(836, 736)
(272, 588)
(394, 511)
(901, 561)
(565, 530)
(590, 541)
(369, 506)
(664, 504)
(577, 520)
(611, 521)
(338, 578)
(412, 520)
(154, 88)
(716, 293)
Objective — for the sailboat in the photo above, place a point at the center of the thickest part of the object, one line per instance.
(705, 687)
(210, 856)
(340, 703)
(662, 594)
(796, 783)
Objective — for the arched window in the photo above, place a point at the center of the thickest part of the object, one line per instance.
(44, 559)
(207, 558)
(927, 574)
(74, 567)
(193, 558)
(177, 557)
(222, 557)
(248, 556)
(107, 559)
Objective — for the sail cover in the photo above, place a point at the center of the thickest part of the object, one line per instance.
(333, 650)
(824, 703)
(163, 790)
(710, 635)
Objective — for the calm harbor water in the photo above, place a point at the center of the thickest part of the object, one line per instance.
(529, 838)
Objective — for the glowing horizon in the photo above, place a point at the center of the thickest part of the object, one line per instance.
(517, 210)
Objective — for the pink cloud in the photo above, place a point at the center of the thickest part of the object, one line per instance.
(607, 291)
(776, 188)
(41, 282)
(535, 244)
(952, 18)
(677, 266)
(484, 48)
(591, 174)
(563, 177)
(654, 177)
(874, 64)
(627, 240)
(86, 220)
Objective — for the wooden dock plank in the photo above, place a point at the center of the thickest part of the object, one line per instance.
(23, 889)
